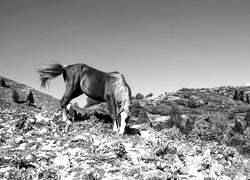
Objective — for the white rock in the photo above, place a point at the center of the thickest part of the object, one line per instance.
(50, 146)
(3, 170)
(96, 142)
(62, 160)
(21, 146)
(70, 177)
(30, 158)
(19, 139)
(184, 116)
(128, 145)
(158, 118)
(207, 153)
(225, 178)
(43, 131)
(10, 130)
(240, 176)
(133, 156)
(38, 117)
(147, 135)
(217, 168)
(30, 120)
(74, 151)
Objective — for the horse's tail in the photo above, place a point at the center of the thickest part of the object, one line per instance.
(50, 72)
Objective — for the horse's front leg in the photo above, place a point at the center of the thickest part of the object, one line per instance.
(112, 111)
(71, 92)
(123, 116)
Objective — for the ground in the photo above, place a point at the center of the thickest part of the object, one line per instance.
(188, 134)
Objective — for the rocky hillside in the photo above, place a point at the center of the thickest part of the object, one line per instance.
(42, 100)
(188, 134)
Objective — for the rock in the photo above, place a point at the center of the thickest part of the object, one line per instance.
(155, 174)
(96, 143)
(21, 147)
(61, 161)
(226, 178)
(43, 131)
(85, 137)
(50, 146)
(19, 139)
(39, 118)
(177, 163)
(149, 136)
(158, 118)
(217, 168)
(206, 154)
(30, 120)
(74, 151)
(30, 158)
(240, 176)
(192, 164)
(4, 170)
(70, 176)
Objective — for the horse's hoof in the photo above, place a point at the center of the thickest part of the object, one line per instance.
(121, 133)
(68, 122)
(115, 130)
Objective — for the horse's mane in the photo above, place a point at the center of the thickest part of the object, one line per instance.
(121, 90)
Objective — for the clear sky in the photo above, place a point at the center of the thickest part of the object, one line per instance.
(159, 45)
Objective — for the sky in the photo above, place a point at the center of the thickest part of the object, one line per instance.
(158, 45)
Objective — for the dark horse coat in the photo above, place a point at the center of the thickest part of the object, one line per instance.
(101, 86)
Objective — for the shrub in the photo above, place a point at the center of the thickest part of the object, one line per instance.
(204, 130)
(15, 96)
(242, 96)
(192, 104)
(167, 142)
(149, 95)
(236, 95)
(231, 115)
(3, 83)
(173, 133)
(247, 119)
(30, 98)
(188, 126)
(238, 128)
(176, 119)
(139, 96)
(236, 140)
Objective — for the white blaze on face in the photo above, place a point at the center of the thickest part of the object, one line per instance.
(123, 123)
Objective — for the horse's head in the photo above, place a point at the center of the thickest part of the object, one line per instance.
(122, 94)
(123, 117)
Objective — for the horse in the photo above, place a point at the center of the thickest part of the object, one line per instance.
(109, 87)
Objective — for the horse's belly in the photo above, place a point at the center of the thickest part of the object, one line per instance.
(93, 90)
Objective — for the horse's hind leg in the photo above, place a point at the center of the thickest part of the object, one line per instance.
(71, 92)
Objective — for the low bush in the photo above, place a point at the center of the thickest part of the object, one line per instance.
(207, 130)
(30, 98)
(15, 96)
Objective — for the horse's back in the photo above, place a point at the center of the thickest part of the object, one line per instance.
(93, 82)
